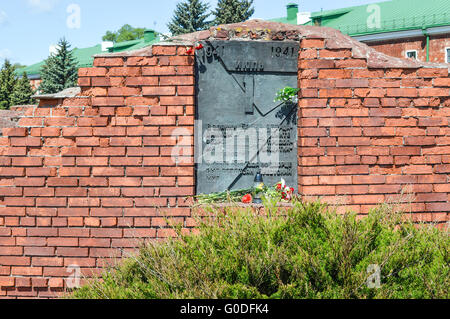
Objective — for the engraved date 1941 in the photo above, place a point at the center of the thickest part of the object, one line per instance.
(280, 52)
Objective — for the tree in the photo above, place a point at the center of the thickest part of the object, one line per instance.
(233, 11)
(189, 16)
(22, 92)
(59, 71)
(125, 33)
(8, 81)
(19, 66)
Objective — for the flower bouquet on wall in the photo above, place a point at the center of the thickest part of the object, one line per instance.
(279, 192)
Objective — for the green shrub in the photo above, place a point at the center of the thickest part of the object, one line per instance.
(308, 252)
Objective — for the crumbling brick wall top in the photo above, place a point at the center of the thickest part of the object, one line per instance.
(261, 30)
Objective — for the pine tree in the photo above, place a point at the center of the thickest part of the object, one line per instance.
(189, 16)
(233, 11)
(8, 81)
(60, 70)
(22, 92)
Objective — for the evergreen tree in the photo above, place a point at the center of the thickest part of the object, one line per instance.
(22, 92)
(233, 11)
(189, 16)
(8, 81)
(60, 70)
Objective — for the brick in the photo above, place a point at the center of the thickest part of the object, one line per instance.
(141, 81)
(424, 140)
(433, 92)
(164, 50)
(442, 82)
(6, 281)
(417, 169)
(102, 62)
(12, 172)
(70, 192)
(92, 161)
(319, 190)
(108, 171)
(159, 181)
(15, 132)
(139, 171)
(26, 141)
(176, 80)
(84, 202)
(126, 141)
(83, 72)
(355, 131)
(14, 261)
(74, 171)
(117, 202)
(142, 131)
(335, 180)
(141, 61)
(431, 72)
(335, 74)
(51, 202)
(72, 252)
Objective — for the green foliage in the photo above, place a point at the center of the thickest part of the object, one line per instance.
(4, 105)
(125, 33)
(60, 70)
(8, 81)
(189, 16)
(287, 94)
(19, 66)
(308, 251)
(233, 11)
(22, 92)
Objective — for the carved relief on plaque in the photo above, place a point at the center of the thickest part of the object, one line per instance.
(240, 129)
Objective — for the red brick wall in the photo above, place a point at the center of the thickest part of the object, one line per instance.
(398, 48)
(369, 134)
(83, 180)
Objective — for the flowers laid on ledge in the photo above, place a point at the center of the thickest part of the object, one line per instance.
(279, 192)
(192, 50)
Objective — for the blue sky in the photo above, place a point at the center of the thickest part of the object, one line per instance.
(28, 27)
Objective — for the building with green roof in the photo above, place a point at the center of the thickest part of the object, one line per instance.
(85, 56)
(402, 28)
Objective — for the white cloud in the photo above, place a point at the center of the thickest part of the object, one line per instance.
(3, 18)
(43, 5)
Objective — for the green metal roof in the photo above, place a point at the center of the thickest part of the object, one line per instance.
(84, 57)
(396, 15)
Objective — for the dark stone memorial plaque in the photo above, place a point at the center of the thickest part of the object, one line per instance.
(240, 129)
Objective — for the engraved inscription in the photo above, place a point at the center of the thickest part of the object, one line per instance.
(240, 129)
(255, 66)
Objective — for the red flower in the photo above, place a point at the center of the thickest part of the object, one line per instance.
(247, 199)
(279, 186)
(190, 51)
(199, 47)
(292, 190)
(283, 195)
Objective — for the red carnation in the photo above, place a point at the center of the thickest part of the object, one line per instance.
(247, 199)
(190, 51)
(199, 47)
